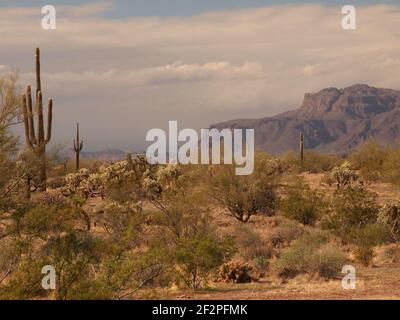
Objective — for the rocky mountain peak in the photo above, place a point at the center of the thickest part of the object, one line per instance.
(358, 101)
(332, 120)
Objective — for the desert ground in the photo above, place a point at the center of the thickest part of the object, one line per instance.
(381, 280)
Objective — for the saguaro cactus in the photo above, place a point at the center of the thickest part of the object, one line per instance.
(38, 142)
(129, 161)
(301, 147)
(78, 145)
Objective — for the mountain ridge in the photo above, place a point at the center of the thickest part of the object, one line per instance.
(332, 120)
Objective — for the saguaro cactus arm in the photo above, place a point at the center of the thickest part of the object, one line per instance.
(38, 81)
(40, 118)
(78, 145)
(32, 135)
(26, 122)
(49, 120)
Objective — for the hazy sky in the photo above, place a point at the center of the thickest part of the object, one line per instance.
(121, 68)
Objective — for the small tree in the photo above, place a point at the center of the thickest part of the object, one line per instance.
(199, 255)
(244, 196)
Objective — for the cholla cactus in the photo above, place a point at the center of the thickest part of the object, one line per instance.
(344, 175)
(274, 167)
(155, 183)
(115, 173)
(149, 180)
(389, 215)
(84, 183)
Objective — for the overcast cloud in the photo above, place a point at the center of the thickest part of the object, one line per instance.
(122, 77)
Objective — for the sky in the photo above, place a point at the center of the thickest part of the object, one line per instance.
(121, 68)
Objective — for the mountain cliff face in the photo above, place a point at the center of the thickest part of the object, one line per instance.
(332, 120)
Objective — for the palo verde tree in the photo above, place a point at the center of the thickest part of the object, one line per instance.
(9, 116)
(37, 143)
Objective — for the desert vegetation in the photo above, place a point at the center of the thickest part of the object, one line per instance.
(130, 229)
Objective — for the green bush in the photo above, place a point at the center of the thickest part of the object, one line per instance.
(260, 263)
(366, 238)
(198, 257)
(313, 254)
(327, 261)
(377, 163)
(351, 207)
(302, 203)
(369, 159)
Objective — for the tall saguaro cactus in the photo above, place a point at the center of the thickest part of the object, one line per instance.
(78, 145)
(37, 143)
(301, 147)
(129, 161)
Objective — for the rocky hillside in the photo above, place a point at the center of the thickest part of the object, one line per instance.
(332, 120)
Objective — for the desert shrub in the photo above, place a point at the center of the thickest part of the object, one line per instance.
(377, 163)
(344, 175)
(311, 253)
(369, 159)
(327, 261)
(302, 204)
(366, 238)
(389, 215)
(285, 233)
(43, 221)
(313, 162)
(350, 208)
(244, 196)
(364, 254)
(198, 257)
(260, 263)
(250, 245)
(390, 171)
(26, 280)
(236, 272)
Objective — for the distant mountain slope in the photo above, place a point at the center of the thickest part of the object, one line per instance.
(105, 155)
(332, 120)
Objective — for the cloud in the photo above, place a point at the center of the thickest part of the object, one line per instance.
(120, 77)
(174, 73)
